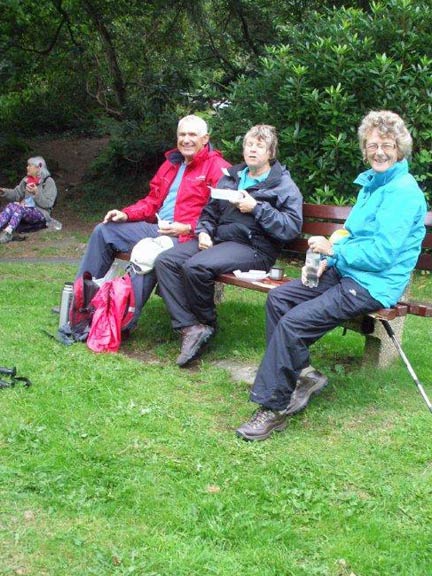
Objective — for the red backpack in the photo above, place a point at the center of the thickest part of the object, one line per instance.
(114, 307)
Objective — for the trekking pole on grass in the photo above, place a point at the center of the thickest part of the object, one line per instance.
(402, 354)
(8, 371)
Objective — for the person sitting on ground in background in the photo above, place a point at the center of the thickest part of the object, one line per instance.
(244, 233)
(31, 201)
(362, 272)
(178, 192)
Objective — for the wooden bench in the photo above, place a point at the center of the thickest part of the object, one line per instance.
(322, 220)
(381, 339)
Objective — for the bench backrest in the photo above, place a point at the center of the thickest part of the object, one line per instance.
(323, 219)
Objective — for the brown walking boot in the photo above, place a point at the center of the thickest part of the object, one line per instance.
(262, 424)
(312, 382)
(193, 339)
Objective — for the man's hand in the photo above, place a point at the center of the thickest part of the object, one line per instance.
(321, 244)
(247, 203)
(175, 229)
(204, 241)
(115, 216)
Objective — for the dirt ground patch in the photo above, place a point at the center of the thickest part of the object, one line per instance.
(68, 160)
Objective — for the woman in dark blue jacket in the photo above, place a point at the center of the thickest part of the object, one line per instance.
(244, 232)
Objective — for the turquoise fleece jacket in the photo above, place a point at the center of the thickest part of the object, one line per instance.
(386, 227)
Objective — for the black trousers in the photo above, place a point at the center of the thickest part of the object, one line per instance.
(296, 317)
(186, 277)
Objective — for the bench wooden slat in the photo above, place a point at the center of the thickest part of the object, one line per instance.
(419, 308)
(322, 220)
(427, 242)
(326, 211)
(262, 286)
(424, 262)
(320, 228)
(401, 309)
(390, 313)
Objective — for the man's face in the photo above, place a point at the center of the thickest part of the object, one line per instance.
(381, 151)
(188, 141)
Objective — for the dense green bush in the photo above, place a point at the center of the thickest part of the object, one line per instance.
(37, 109)
(137, 146)
(317, 86)
(135, 152)
(12, 152)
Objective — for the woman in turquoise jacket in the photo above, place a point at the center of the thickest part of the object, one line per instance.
(367, 269)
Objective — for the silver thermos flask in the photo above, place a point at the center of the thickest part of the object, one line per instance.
(65, 303)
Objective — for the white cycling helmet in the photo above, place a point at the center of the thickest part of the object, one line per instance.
(145, 252)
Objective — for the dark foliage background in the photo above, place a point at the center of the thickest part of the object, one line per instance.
(131, 69)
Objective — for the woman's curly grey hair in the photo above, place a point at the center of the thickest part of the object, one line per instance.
(267, 134)
(389, 124)
(41, 164)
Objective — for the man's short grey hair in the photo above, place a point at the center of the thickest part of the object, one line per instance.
(389, 124)
(40, 163)
(267, 134)
(201, 125)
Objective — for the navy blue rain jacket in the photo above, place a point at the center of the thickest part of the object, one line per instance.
(276, 219)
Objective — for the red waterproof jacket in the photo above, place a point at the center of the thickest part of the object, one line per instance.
(114, 306)
(205, 170)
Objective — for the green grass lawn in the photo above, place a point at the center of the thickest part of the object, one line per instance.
(111, 466)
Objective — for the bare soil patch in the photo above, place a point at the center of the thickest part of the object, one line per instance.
(69, 160)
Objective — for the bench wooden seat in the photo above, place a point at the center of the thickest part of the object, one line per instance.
(401, 309)
(323, 220)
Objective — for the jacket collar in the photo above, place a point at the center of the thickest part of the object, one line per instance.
(175, 157)
(275, 173)
(373, 180)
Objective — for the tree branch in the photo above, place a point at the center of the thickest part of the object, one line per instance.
(240, 13)
(45, 51)
(59, 7)
(110, 53)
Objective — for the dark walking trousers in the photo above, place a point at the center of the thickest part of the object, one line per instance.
(296, 317)
(186, 277)
(105, 241)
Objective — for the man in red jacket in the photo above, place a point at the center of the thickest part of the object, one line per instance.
(178, 192)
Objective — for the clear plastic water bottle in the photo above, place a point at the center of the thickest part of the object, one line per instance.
(54, 225)
(312, 263)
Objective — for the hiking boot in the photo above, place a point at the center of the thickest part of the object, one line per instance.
(262, 424)
(310, 383)
(193, 339)
(5, 237)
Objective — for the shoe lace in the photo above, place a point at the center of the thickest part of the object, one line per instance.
(260, 416)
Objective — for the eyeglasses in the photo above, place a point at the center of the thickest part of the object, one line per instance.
(386, 147)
